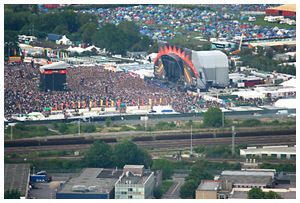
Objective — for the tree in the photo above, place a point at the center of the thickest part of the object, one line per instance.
(12, 194)
(157, 192)
(213, 117)
(272, 195)
(255, 193)
(129, 153)
(166, 166)
(187, 190)
(99, 155)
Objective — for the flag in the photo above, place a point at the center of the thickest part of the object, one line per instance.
(143, 102)
(132, 102)
(150, 102)
(119, 103)
(160, 101)
(101, 102)
(112, 103)
(67, 105)
(73, 105)
(95, 104)
(106, 104)
(78, 104)
(84, 104)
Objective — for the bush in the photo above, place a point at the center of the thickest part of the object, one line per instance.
(88, 128)
(157, 192)
(108, 122)
(251, 122)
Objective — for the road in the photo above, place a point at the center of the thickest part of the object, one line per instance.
(174, 191)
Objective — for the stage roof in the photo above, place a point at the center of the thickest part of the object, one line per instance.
(56, 65)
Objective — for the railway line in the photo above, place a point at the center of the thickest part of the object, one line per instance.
(168, 143)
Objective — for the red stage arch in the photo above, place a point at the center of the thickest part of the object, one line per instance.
(173, 50)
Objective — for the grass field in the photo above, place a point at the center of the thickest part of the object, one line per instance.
(260, 21)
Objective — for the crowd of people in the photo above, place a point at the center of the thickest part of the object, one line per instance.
(164, 22)
(87, 87)
(94, 86)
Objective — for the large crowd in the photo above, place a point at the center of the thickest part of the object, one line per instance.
(87, 85)
(165, 22)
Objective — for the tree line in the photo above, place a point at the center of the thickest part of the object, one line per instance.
(79, 27)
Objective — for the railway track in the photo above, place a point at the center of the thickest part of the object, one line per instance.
(161, 144)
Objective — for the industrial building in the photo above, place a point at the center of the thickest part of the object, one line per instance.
(135, 183)
(213, 189)
(280, 152)
(92, 183)
(17, 177)
(249, 178)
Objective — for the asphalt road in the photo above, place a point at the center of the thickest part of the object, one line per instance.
(174, 191)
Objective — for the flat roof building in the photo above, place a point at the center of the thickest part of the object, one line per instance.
(92, 183)
(250, 178)
(135, 183)
(213, 189)
(17, 177)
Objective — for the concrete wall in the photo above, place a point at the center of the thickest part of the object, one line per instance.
(202, 194)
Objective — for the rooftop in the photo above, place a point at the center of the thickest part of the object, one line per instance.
(209, 185)
(247, 180)
(16, 176)
(129, 178)
(248, 173)
(93, 181)
(271, 149)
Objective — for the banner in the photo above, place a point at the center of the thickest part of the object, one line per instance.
(119, 103)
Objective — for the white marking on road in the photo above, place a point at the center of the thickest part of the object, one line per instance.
(175, 188)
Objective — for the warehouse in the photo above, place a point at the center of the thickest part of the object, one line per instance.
(249, 178)
(93, 183)
(280, 152)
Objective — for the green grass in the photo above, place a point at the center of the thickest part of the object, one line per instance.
(260, 21)
(24, 131)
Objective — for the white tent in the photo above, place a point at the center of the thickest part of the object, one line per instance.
(290, 83)
(286, 103)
